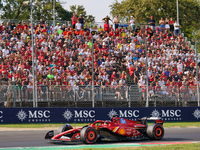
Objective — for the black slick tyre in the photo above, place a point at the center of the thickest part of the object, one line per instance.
(155, 131)
(89, 135)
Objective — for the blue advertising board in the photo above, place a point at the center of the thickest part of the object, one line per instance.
(80, 115)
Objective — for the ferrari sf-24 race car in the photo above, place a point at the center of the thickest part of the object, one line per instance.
(117, 129)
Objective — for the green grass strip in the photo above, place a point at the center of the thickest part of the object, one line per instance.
(77, 147)
(43, 125)
(193, 146)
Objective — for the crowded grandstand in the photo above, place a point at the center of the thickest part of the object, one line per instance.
(64, 58)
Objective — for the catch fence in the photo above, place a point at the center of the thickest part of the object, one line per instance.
(104, 96)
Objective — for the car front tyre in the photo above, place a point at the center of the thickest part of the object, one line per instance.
(89, 135)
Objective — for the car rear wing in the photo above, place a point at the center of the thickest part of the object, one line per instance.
(158, 120)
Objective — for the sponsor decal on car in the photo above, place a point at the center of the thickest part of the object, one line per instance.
(122, 131)
(64, 138)
(123, 121)
(115, 129)
(76, 136)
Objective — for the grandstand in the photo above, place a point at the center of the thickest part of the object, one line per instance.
(64, 62)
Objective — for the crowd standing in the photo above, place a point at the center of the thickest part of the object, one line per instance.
(64, 54)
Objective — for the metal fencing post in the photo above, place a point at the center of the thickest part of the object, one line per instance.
(177, 12)
(36, 96)
(147, 88)
(34, 104)
(129, 100)
(92, 71)
(197, 71)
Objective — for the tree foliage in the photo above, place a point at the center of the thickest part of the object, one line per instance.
(81, 10)
(14, 9)
(142, 10)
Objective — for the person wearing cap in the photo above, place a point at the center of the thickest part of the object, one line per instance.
(24, 26)
(57, 27)
(74, 20)
(152, 23)
(63, 27)
(132, 23)
(81, 21)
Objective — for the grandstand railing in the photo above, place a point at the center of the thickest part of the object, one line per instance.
(4, 21)
(104, 96)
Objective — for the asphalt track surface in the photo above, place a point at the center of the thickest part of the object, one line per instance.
(35, 138)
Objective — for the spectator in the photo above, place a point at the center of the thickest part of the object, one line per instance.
(74, 20)
(162, 25)
(152, 23)
(176, 27)
(116, 22)
(106, 20)
(132, 23)
(81, 21)
(78, 26)
(171, 24)
(167, 27)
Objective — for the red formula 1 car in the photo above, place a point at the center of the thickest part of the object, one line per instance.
(117, 129)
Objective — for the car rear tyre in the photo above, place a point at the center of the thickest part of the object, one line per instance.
(89, 135)
(155, 131)
(64, 128)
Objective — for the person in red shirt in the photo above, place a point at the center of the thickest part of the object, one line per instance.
(113, 76)
(131, 70)
(74, 20)
(27, 66)
(1, 28)
(108, 83)
(179, 83)
(117, 32)
(24, 26)
(44, 30)
(106, 27)
(17, 75)
(157, 88)
(152, 78)
(171, 24)
(111, 33)
(19, 26)
(164, 77)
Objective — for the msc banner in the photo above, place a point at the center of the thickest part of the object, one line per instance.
(69, 115)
